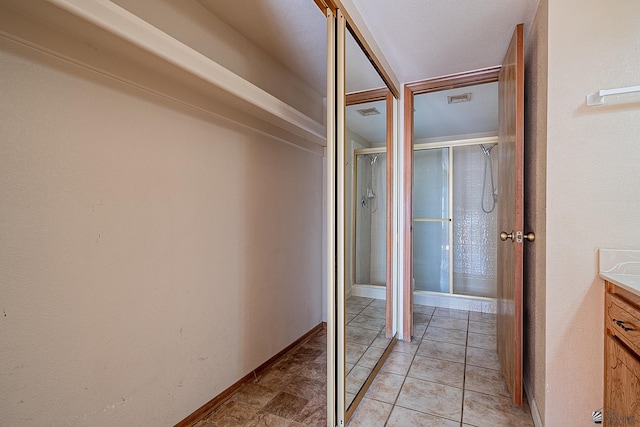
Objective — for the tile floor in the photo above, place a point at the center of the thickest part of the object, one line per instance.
(291, 393)
(366, 341)
(449, 375)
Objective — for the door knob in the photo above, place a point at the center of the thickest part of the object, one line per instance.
(517, 237)
(504, 236)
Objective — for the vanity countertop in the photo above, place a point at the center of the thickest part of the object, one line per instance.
(622, 268)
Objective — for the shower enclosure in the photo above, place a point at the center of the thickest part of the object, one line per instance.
(369, 207)
(455, 218)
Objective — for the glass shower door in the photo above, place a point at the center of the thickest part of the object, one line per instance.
(370, 209)
(431, 220)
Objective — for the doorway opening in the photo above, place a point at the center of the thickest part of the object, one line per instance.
(451, 126)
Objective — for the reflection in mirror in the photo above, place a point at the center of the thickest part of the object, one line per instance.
(367, 307)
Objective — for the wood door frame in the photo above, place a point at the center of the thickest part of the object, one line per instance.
(451, 81)
(362, 97)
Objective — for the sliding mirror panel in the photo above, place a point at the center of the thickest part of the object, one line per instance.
(368, 306)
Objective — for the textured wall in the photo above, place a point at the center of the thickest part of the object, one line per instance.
(592, 190)
(151, 255)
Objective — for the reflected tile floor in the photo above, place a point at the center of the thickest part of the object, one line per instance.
(291, 393)
(449, 375)
(366, 341)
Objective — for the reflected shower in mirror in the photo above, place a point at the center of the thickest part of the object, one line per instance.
(367, 305)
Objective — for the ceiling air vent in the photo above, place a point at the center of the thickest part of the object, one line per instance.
(463, 97)
(373, 111)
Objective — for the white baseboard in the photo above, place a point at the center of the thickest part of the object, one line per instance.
(369, 291)
(535, 413)
(458, 302)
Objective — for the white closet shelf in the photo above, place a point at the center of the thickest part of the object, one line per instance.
(103, 23)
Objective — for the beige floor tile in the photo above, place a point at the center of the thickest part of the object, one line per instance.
(482, 341)
(349, 398)
(402, 417)
(355, 352)
(355, 309)
(421, 318)
(378, 303)
(482, 327)
(446, 335)
(359, 300)
(450, 312)
(397, 363)
(368, 322)
(356, 378)
(487, 381)
(406, 347)
(433, 398)
(385, 387)
(423, 309)
(482, 410)
(439, 371)
(371, 357)
(377, 312)
(419, 329)
(482, 317)
(442, 350)
(449, 323)
(359, 335)
(370, 413)
(485, 358)
(381, 340)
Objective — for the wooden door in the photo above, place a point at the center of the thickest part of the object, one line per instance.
(511, 215)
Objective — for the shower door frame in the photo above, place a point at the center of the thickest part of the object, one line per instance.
(354, 219)
(450, 145)
(356, 98)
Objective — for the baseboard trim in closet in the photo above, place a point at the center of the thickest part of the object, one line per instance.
(208, 407)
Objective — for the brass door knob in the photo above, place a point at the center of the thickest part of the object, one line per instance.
(504, 236)
(530, 236)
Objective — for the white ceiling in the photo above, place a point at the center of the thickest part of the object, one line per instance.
(371, 128)
(430, 38)
(435, 117)
(420, 39)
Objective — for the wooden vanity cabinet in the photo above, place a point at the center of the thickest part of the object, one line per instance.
(622, 358)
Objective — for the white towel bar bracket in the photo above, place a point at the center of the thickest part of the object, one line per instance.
(597, 98)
